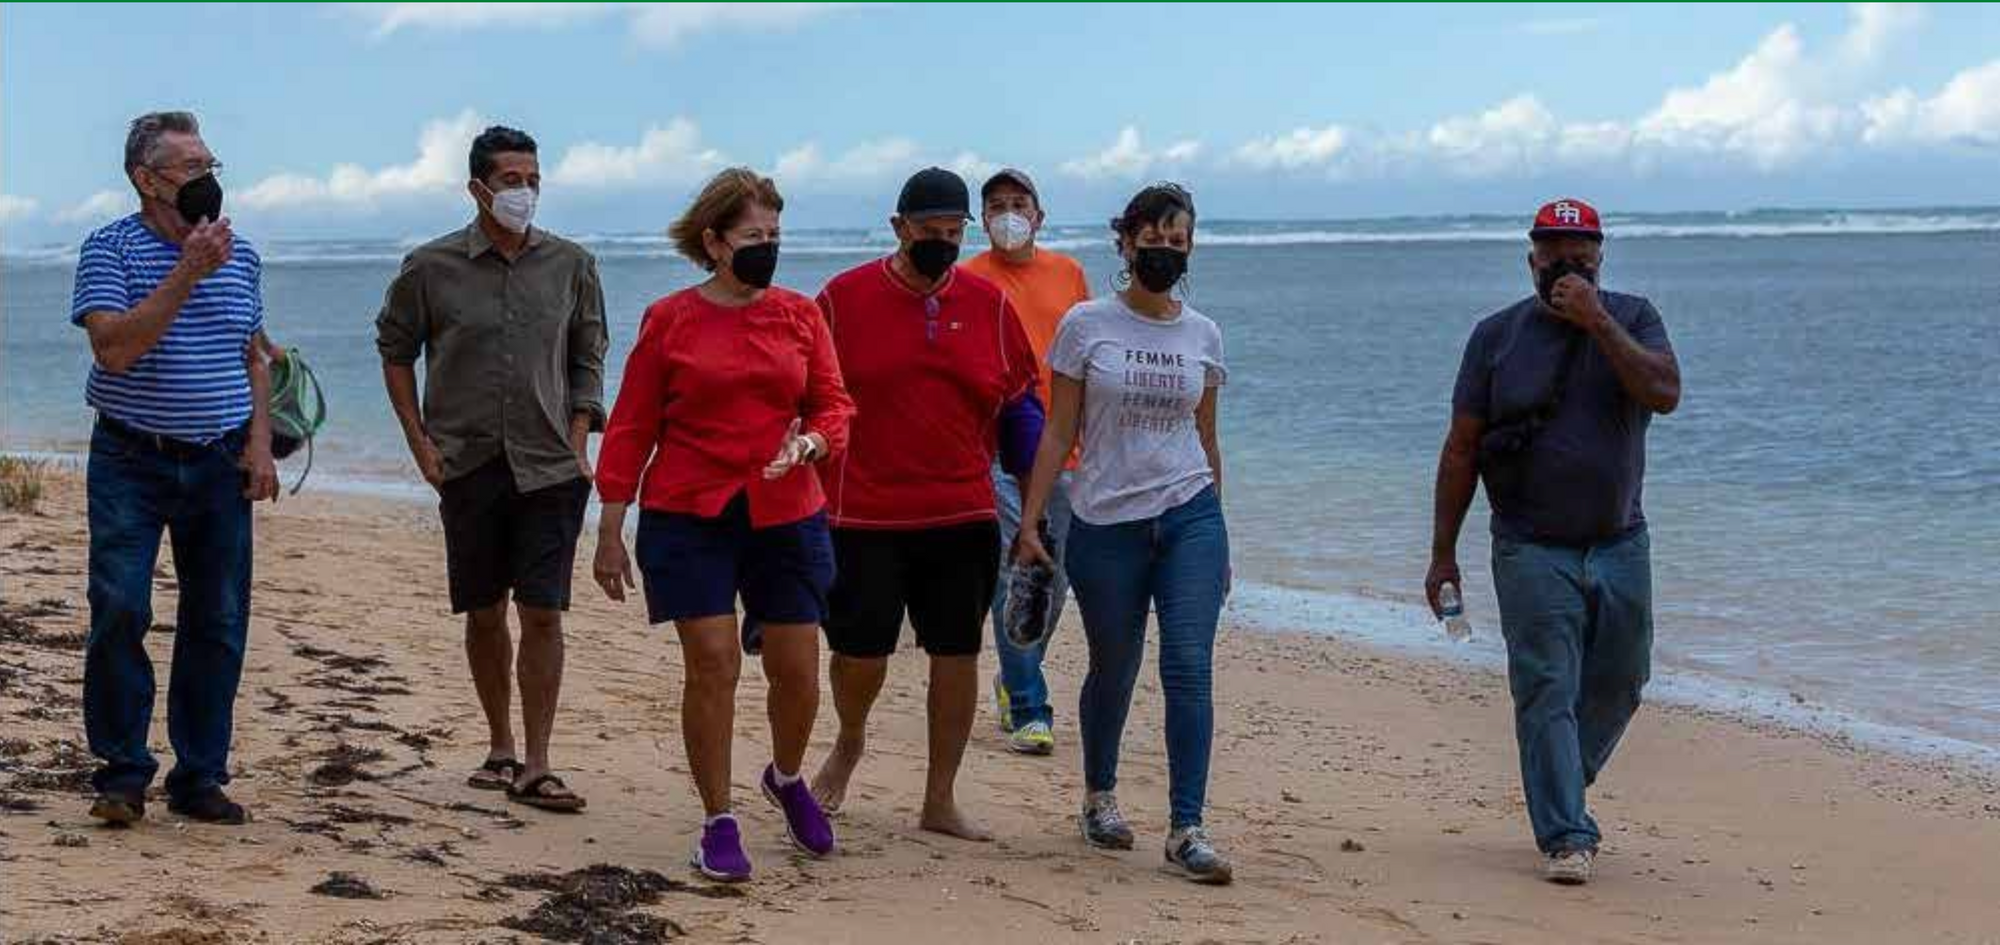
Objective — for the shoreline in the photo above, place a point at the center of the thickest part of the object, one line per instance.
(1366, 797)
(1397, 625)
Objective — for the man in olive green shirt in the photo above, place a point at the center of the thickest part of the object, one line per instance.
(509, 321)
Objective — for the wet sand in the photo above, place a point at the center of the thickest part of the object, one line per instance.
(1364, 798)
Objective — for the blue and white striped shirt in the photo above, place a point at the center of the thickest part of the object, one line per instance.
(193, 384)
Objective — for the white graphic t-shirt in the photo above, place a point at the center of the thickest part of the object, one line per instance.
(1142, 380)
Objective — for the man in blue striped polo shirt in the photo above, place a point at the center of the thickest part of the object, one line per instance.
(171, 300)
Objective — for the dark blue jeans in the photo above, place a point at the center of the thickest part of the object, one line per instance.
(195, 495)
(1579, 630)
(1178, 564)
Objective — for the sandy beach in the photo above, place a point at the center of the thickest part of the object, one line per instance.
(1365, 799)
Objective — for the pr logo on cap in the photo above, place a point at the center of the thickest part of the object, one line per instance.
(1567, 217)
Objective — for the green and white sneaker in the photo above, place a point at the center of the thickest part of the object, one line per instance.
(1190, 849)
(1034, 738)
(1103, 826)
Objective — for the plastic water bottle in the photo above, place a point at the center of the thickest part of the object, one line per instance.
(1452, 606)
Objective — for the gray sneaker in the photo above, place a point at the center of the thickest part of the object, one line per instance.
(1190, 849)
(1569, 867)
(1103, 826)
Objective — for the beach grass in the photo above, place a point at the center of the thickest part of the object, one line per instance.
(22, 483)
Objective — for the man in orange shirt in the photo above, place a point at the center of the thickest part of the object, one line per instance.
(1043, 285)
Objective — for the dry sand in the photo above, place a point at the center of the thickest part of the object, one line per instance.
(1365, 799)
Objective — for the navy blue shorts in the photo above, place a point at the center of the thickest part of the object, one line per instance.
(696, 567)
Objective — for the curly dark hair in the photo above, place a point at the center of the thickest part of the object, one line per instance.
(1153, 206)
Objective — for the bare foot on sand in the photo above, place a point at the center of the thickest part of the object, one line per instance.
(947, 819)
(829, 786)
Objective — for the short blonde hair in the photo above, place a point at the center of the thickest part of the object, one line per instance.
(722, 200)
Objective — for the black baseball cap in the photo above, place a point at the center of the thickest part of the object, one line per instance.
(934, 192)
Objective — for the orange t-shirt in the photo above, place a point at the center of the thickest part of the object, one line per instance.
(1043, 290)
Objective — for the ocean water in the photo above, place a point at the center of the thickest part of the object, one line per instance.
(1825, 505)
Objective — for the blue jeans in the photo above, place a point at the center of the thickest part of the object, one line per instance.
(1579, 630)
(1178, 564)
(195, 494)
(1021, 667)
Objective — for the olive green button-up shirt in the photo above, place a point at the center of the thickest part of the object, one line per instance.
(511, 350)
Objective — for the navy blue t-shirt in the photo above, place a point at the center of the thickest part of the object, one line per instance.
(1579, 483)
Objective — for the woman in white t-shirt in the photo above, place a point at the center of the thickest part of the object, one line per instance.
(1137, 376)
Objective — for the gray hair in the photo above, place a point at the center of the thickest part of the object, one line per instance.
(142, 142)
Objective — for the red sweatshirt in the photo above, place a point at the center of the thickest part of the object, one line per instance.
(929, 374)
(707, 396)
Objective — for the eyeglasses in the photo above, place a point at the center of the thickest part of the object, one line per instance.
(192, 169)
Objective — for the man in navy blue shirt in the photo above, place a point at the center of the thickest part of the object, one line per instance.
(1550, 410)
(172, 301)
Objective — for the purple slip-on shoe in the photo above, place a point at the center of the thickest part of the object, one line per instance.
(720, 856)
(804, 821)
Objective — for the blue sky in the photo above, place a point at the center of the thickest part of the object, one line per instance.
(352, 119)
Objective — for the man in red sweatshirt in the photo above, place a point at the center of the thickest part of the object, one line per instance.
(942, 377)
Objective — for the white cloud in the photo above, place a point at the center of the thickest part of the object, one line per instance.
(395, 17)
(1127, 158)
(670, 154)
(101, 206)
(866, 161)
(439, 167)
(1780, 104)
(972, 167)
(1761, 109)
(15, 209)
(1570, 26)
(799, 162)
(874, 159)
(1877, 26)
(886, 159)
(1299, 148)
(1965, 111)
(1507, 136)
(654, 24)
(664, 24)
(673, 154)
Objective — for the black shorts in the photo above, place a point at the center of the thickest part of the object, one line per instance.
(942, 577)
(499, 539)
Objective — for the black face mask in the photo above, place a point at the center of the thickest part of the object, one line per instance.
(755, 265)
(933, 257)
(200, 198)
(1158, 268)
(1547, 277)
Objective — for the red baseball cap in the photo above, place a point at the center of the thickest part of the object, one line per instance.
(1567, 217)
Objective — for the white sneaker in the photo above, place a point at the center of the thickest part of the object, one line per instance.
(1104, 827)
(1569, 867)
(1190, 849)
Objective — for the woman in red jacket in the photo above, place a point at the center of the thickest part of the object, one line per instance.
(730, 397)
